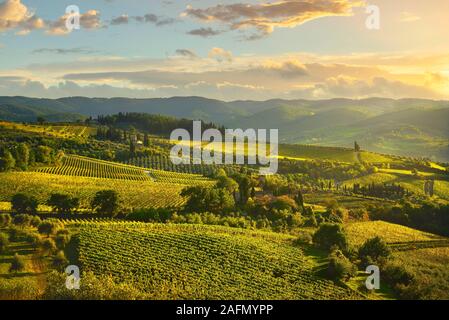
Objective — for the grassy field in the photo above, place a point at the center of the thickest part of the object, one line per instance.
(203, 262)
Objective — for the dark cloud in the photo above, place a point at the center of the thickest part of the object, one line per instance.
(154, 19)
(186, 53)
(204, 32)
(123, 19)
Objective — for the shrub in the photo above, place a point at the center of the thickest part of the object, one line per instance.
(4, 242)
(5, 220)
(304, 238)
(35, 221)
(22, 203)
(396, 275)
(330, 235)
(374, 251)
(17, 264)
(17, 234)
(92, 287)
(48, 246)
(60, 261)
(22, 220)
(62, 203)
(340, 268)
(47, 228)
(62, 240)
(106, 202)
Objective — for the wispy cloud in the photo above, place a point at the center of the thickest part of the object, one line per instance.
(265, 17)
(79, 50)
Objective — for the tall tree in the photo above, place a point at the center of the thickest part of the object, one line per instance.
(7, 161)
(23, 156)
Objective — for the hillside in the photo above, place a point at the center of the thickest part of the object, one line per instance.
(424, 254)
(411, 127)
(201, 262)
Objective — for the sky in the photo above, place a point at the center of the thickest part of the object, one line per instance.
(227, 50)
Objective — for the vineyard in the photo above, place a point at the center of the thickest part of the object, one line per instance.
(85, 167)
(133, 194)
(55, 130)
(164, 163)
(78, 166)
(409, 182)
(424, 254)
(200, 262)
(359, 232)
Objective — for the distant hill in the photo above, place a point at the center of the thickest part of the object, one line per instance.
(411, 127)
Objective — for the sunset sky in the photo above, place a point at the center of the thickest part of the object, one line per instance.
(229, 50)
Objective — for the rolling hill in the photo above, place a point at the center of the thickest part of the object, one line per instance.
(409, 127)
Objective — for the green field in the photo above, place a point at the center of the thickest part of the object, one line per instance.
(202, 262)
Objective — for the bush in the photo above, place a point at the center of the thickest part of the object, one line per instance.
(22, 203)
(35, 221)
(17, 234)
(22, 220)
(330, 235)
(60, 261)
(61, 240)
(48, 246)
(340, 268)
(4, 242)
(106, 202)
(47, 228)
(62, 203)
(5, 220)
(17, 264)
(304, 238)
(374, 251)
(92, 287)
(396, 275)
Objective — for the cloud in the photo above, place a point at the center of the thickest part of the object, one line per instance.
(154, 19)
(186, 53)
(15, 15)
(79, 50)
(204, 32)
(220, 55)
(123, 19)
(264, 17)
(89, 20)
(347, 87)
